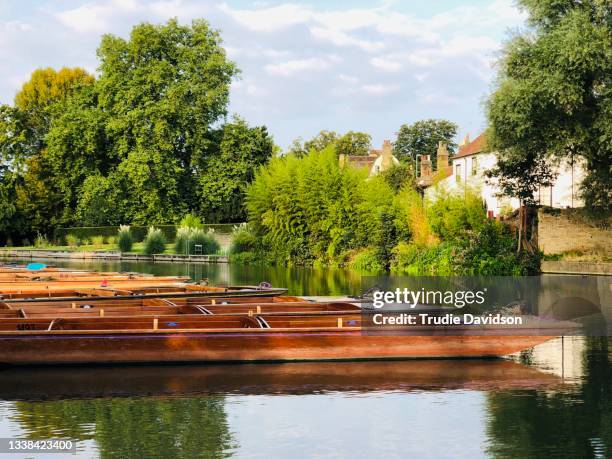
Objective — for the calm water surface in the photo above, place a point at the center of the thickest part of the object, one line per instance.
(552, 401)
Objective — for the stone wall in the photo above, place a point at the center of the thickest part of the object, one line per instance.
(564, 232)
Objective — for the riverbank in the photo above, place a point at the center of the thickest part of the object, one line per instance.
(110, 255)
(548, 267)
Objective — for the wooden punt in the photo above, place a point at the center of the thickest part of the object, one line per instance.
(50, 383)
(121, 293)
(161, 307)
(253, 337)
(123, 282)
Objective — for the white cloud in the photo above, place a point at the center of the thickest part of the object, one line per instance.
(339, 38)
(386, 63)
(315, 66)
(379, 89)
(96, 17)
(349, 79)
(288, 68)
(269, 19)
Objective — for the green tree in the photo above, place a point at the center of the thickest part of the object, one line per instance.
(236, 153)
(24, 131)
(422, 137)
(354, 144)
(163, 89)
(399, 176)
(319, 142)
(101, 201)
(39, 97)
(554, 96)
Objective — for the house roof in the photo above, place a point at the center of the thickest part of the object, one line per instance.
(478, 145)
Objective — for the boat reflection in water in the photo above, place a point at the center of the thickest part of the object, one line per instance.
(41, 384)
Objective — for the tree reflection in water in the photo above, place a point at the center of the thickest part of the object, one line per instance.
(575, 422)
(134, 427)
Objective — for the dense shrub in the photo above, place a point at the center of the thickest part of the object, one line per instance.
(205, 239)
(310, 208)
(72, 240)
(187, 238)
(492, 252)
(419, 260)
(124, 238)
(97, 240)
(155, 242)
(243, 240)
(366, 261)
(180, 241)
(451, 215)
(41, 241)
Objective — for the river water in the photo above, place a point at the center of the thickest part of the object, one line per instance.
(552, 401)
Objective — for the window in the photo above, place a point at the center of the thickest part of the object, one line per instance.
(474, 165)
(458, 173)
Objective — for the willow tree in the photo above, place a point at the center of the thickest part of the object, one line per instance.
(553, 99)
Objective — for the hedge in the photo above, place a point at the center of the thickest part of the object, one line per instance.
(138, 232)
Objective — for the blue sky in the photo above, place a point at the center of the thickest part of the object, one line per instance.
(306, 65)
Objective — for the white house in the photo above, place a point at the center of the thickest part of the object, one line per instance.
(474, 158)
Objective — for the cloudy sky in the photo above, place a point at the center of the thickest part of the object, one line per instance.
(306, 65)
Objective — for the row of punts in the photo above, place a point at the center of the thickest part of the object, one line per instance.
(54, 316)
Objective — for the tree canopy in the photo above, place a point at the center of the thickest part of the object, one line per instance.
(144, 143)
(553, 97)
(352, 143)
(422, 138)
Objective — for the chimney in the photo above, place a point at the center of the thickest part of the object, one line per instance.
(386, 149)
(465, 140)
(442, 156)
(425, 167)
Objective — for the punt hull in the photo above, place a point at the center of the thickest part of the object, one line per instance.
(259, 345)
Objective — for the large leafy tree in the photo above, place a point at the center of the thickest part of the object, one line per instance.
(554, 97)
(352, 143)
(237, 152)
(24, 144)
(422, 138)
(163, 90)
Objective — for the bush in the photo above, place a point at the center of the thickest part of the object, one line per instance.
(72, 240)
(205, 239)
(492, 252)
(97, 240)
(195, 236)
(41, 241)
(243, 240)
(155, 242)
(310, 208)
(419, 260)
(125, 241)
(111, 240)
(451, 215)
(180, 242)
(366, 261)
(246, 258)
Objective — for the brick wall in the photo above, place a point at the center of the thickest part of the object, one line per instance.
(564, 232)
